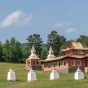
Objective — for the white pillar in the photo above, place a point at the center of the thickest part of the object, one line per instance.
(54, 75)
(31, 75)
(11, 75)
(79, 75)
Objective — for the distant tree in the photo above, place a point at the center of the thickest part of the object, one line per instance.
(44, 51)
(1, 52)
(66, 44)
(12, 40)
(35, 40)
(12, 51)
(26, 50)
(15, 51)
(55, 41)
(84, 40)
(6, 50)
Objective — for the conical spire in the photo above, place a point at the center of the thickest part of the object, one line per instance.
(50, 51)
(33, 50)
(33, 55)
(50, 55)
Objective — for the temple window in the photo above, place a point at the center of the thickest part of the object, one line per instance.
(49, 65)
(78, 62)
(37, 62)
(80, 52)
(73, 62)
(54, 64)
(59, 63)
(64, 62)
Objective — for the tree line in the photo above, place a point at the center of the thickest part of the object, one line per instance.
(14, 51)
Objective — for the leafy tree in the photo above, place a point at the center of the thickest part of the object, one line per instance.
(35, 40)
(26, 50)
(84, 40)
(44, 52)
(18, 51)
(1, 52)
(55, 41)
(6, 51)
(15, 51)
(12, 51)
(66, 44)
(12, 40)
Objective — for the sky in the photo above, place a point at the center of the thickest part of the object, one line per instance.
(21, 18)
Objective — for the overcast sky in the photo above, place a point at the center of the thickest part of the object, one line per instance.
(20, 18)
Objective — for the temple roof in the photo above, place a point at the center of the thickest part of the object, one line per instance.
(74, 49)
(75, 46)
(62, 57)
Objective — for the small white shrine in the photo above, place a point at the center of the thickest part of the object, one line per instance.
(31, 75)
(11, 75)
(54, 75)
(79, 75)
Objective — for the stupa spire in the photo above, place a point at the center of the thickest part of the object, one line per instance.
(33, 54)
(33, 50)
(50, 51)
(50, 55)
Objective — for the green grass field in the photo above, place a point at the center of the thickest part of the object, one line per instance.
(65, 81)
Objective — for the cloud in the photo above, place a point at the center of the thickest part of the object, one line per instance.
(16, 18)
(58, 25)
(71, 30)
(25, 19)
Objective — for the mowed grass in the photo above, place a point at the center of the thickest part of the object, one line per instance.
(65, 81)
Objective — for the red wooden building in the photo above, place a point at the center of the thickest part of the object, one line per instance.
(74, 56)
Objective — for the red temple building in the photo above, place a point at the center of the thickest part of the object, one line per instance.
(73, 57)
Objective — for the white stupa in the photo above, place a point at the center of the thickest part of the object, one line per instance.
(31, 75)
(79, 75)
(33, 54)
(54, 75)
(50, 55)
(11, 75)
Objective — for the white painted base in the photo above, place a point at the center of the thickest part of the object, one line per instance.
(31, 76)
(54, 75)
(11, 75)
(79, 75)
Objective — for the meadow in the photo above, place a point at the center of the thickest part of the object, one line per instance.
(65, 81)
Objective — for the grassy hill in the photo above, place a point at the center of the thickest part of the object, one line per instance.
(65, 81)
